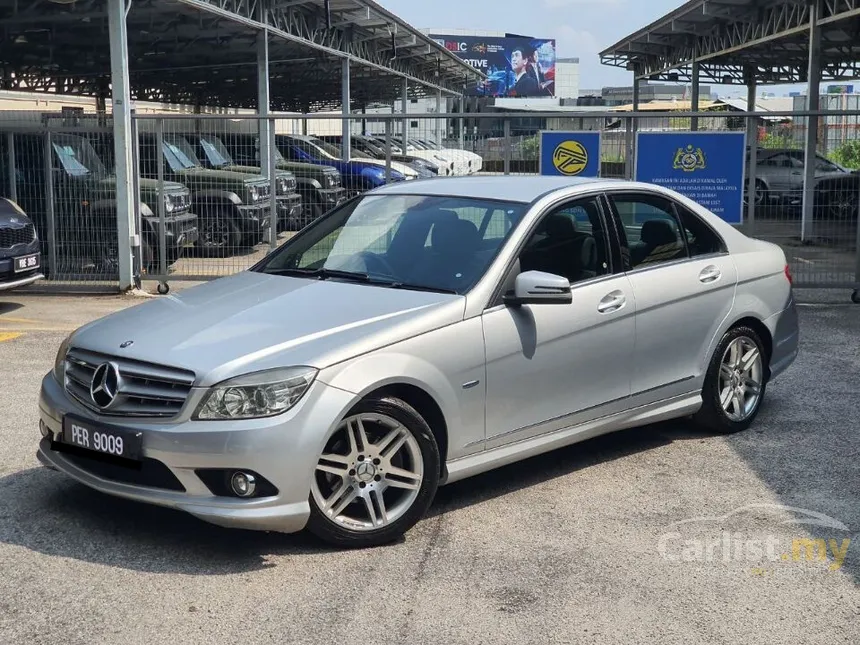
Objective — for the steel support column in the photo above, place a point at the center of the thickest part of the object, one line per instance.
(345, 99)
(813, 103)
(10, 166)
(439, 122)
(694, 98)
(122, 141)
(632, 127)
(462, 122)
(264, 129)
(404, 103)
(752, 144)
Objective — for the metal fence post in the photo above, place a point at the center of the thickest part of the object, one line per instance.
(273, 192)
(507, 146)
(50, 197)
(135, 191)
(13, 183)
(162, 239)
(857, 249)
(752, 140)
(388, 151)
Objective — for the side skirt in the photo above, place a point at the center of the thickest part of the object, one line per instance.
(678, 406)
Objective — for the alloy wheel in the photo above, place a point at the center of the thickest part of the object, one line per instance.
(741, 379)
(369, 474)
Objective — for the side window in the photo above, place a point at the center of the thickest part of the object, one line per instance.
(651, 228)
(570, 241)
(701, 239)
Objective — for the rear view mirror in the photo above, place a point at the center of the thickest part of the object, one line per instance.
(539, 288)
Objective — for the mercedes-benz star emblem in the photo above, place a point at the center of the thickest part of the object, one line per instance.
(365, 471)
(127, 343)
(105, 385)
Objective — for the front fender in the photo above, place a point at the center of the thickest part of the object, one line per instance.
(217, 196)
(305, 182)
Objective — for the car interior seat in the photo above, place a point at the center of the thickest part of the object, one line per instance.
(658, 243)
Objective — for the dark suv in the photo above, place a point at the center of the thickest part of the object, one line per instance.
(321, 186)
(20, 255)
(233, 207)
(84, 205)
(213, 153)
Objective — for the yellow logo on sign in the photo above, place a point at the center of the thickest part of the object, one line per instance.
(689, 160)
(570, 158)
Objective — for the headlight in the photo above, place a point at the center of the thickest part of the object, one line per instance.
(168, 204)
(60, 360)
(252, 191)
(282, 186)
(332, 180)
(258, 395)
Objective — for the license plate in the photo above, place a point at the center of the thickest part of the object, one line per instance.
(108, 441)
(27, 263)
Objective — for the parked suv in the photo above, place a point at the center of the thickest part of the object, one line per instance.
(320, 186)
(84, 204)
(213, 153)
(20, 255)
(233, 207)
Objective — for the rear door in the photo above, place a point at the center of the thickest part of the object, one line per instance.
(683, 281)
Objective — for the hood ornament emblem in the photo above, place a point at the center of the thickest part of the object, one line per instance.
(127, 343)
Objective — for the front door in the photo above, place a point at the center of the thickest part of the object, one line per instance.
(553, 366)
(683, 282)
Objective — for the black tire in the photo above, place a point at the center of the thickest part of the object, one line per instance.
(340, 535)
(311, 213)
(712, 416)
(220, 236)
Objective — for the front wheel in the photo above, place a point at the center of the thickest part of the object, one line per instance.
(376, 477)
(735, 382)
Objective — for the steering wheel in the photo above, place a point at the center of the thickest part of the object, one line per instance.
(376, 264)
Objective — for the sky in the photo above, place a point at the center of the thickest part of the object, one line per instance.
(581, 27)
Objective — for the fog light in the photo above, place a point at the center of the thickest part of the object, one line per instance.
(243, 485)
(44, 429)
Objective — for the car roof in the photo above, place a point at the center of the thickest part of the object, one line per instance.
(523, 189)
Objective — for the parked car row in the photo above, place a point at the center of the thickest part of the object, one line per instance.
(780, 174)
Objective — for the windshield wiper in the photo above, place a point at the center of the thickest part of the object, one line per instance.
(395, 284)
(322, 274)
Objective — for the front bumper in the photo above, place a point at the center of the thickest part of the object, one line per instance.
(332, 197)
(255, 220)
(180, 231)
(9, 278)
(289, 209)
(282, 449)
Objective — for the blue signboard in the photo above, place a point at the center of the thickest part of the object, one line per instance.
(570, 154)
(707, 167)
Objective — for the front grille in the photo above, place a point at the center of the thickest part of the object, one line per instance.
(144, 389)
(263, 190)
(11, 236)
(291, 184)
(181, 202)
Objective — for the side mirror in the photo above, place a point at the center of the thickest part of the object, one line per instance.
(539, 288)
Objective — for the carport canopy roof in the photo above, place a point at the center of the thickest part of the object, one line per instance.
(735, 39)
(204, 52)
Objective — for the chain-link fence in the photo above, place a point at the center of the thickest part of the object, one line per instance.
(216, 193)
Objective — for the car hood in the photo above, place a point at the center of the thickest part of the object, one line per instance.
(395, 165)
(253, 170)
(251, 321)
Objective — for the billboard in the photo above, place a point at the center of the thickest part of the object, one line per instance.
(707, 167)
(514, 65)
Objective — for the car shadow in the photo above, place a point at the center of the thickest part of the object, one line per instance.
(49, 513)
(8, 307)
(562, 462)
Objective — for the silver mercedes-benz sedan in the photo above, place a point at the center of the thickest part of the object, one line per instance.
(417, 335)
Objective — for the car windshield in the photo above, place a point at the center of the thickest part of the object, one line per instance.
(179, 153)
(216, 152)
(77, 156)
(419, 242)
(318, 147)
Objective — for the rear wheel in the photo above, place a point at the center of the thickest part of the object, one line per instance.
(376, 477)
(735, 382)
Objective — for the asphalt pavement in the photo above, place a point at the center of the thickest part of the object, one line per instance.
(655, 535)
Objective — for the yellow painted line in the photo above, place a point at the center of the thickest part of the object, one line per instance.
(24, 321)
(8, 335)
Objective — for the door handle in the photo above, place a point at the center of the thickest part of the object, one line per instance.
(710, 274)
(612, 302)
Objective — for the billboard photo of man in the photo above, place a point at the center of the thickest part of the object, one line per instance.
(526, 74)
